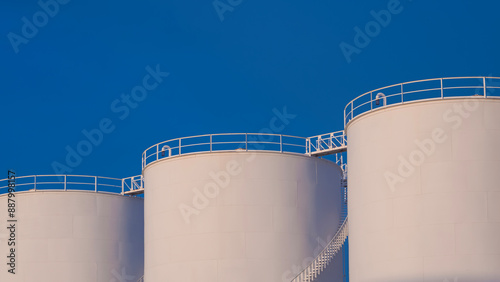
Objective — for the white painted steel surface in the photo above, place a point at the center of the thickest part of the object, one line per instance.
(74, 236)
(424, 192)
(262, 225)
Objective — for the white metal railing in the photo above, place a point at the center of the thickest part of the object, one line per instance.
(326, 141)
(132, 183)
(437, 88)
(224, 142)
(141, 279)
(324, 258)
(74, 183)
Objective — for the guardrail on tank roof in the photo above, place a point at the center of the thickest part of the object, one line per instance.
(419, 90)
(63, 182)
(224, 142)
(320, 145)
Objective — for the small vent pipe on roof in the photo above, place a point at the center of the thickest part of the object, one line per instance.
(377, 99)
(163, 151)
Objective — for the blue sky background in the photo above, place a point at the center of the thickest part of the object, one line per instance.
(225, 76)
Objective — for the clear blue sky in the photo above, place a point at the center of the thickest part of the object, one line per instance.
(61, 73)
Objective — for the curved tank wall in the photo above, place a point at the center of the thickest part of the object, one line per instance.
(238, 216)
(424, 192)
(74, 236)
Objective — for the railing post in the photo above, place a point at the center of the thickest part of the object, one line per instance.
(371, 100)
(402, 94)
(484, 86)
(345, 118)
(95, 183)
(442, 92)
(35, 183)
(210, 142)
(246, 141)
(123, 186)
(157, 150)
(65, 182)
(281, 143)
(180, 146)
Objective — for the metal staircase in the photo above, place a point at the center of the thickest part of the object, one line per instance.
(321, 262)
(311, 272)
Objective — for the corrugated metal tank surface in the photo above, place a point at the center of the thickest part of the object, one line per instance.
(238, 216)
(65, 236)
(424, 192)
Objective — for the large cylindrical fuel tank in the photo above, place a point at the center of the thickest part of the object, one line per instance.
(238, 216)
(424, 191)
(76, 236)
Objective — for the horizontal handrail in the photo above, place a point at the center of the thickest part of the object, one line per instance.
(224, 142)
(50, 182)
(420, 90)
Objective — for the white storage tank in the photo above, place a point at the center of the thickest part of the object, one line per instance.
(237, 215)
(76, 236)
(424, 183)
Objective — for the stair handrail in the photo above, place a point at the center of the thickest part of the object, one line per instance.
(325, 256)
